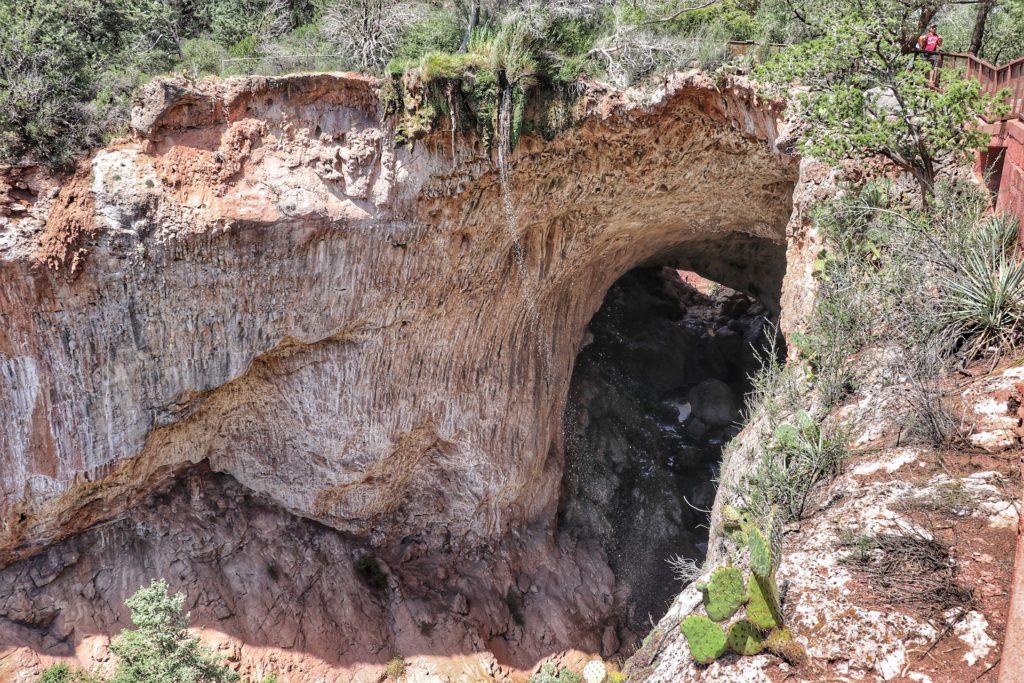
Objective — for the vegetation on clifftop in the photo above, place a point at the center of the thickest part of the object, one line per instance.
(68, 68)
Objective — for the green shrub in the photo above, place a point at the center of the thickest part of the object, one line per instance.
(246, 48)
(438, 32)
(396, 667)
(45, 65)
(63, 673)
(549, 673)
(202, 57)
(800, 454)
(160, 649)
(369, 568)
(446, 65)
(232, 21)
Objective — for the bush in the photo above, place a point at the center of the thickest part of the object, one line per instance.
(369, 568)
(437, 32)
(232, 21)
(202, 57)
(44, 83)
(550, 674)
(160, 649)
(396, 667)
(800, 455)
(62, 673)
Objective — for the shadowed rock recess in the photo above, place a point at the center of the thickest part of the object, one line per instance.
(261, 346)
(656, 393)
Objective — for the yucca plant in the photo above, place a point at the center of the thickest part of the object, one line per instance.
(982, 301)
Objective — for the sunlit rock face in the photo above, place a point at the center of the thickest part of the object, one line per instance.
(263, 281)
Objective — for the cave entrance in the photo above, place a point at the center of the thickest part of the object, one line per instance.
(656, 393)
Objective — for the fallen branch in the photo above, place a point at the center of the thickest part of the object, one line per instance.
(676, 15)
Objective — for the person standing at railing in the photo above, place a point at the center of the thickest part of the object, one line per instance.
(929, 44)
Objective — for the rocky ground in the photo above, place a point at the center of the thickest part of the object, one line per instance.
(274, 592)
(901, 571)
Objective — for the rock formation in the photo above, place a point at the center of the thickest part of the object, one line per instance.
(263, 314)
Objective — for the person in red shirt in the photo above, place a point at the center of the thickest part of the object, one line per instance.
(929, 44)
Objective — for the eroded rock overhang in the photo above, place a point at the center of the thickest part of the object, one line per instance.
(265, 280)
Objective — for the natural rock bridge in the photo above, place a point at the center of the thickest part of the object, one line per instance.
(263, 311)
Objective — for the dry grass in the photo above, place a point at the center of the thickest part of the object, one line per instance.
(909, 569)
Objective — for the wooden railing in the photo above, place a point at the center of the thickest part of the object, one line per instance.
(993, 78)
(738, 48)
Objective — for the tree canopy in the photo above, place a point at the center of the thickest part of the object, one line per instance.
(862, 96)
(68, 68)
(160, 648)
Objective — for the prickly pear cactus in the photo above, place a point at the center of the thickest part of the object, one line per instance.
(780, 642)
(744, 638)
(736, 523)
(763, 609)
(761, 628)
(595, 672)
(724, 594)
(760, 553)
(705, 638)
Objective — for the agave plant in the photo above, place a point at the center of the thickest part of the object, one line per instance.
(982, 302)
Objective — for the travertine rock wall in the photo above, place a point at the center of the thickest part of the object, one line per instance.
(272, 285)
(374, 336)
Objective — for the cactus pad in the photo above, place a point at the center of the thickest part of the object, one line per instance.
(724, 593)
(780, 641)
(763, 608)
(705, 638)
(595, 672)
(744, 638)
(760, 553)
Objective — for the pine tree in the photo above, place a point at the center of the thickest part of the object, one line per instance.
(160, 649)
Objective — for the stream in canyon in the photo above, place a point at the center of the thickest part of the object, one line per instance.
(656, 394)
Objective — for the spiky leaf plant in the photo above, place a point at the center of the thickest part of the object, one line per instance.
(982, 302)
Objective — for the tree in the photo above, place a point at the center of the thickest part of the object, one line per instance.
(861, 100)
(474, 19)
(160, 649)
(817, 16)
(367, 31)
(980, 20)
(1004, 32)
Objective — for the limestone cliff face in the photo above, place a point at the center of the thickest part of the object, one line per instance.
(273, 285)
(375, 336)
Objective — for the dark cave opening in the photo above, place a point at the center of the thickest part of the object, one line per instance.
(657, 392)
